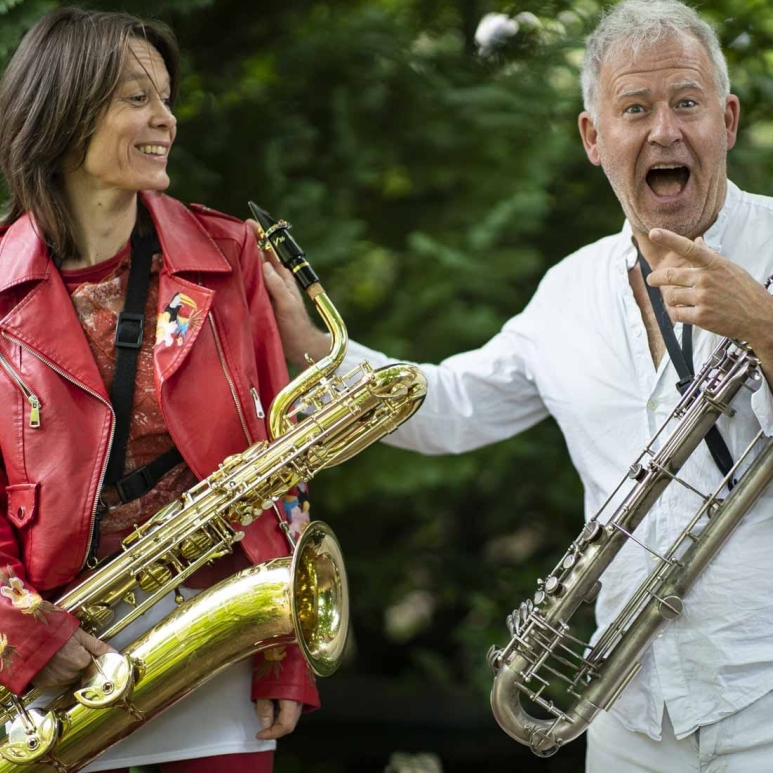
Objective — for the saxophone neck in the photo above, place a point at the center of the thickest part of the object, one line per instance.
(276, 237)
(339, 340)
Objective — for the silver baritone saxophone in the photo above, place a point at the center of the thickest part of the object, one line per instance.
(317, 421)
(542, 654)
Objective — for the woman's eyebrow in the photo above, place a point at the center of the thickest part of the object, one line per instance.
(139, 76)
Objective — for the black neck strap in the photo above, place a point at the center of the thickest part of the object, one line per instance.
(682, 359)
(128, 339)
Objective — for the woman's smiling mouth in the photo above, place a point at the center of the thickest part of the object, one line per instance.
(154, 151)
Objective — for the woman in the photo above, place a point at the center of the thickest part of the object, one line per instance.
(87, 128)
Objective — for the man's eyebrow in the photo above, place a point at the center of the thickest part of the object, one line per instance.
(687, 85)
(674, 87)
(625, 93)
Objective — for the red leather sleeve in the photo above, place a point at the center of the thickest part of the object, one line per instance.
(282, 673)
(32, 629)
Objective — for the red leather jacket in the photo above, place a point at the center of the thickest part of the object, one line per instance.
(210, 389)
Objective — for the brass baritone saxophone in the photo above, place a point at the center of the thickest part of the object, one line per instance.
(302, 598)
(542, 648)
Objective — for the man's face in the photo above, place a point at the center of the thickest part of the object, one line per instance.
(662, 136)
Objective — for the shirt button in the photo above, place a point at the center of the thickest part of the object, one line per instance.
(652, 404)
(637, 332)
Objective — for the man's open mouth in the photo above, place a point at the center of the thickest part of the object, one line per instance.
(668, 180)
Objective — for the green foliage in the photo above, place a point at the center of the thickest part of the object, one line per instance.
(16, 17)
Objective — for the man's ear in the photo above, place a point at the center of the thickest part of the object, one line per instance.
(589, 137)
(732, 114)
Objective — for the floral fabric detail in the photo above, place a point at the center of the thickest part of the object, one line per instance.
(7, 654)
(27, 602)
(272, 662)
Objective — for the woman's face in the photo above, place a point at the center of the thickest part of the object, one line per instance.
(129, 150)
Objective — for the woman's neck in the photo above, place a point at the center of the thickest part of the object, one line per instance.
(103, 222)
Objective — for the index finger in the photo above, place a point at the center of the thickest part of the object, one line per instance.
(698, 253)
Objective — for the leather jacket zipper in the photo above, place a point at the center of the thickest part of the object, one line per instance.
(91, 551)
(228, 378)
(29, 395)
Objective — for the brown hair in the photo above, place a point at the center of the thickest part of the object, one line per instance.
(52, 97)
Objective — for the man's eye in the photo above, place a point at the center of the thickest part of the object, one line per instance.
(687, 103)
(634, 109)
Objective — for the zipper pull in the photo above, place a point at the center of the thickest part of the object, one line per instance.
(34, 411)
(261, 414)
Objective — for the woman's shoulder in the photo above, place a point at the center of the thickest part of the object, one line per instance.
(216, 219)
(219, 225)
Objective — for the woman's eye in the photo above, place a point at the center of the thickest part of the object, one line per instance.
(138, 99)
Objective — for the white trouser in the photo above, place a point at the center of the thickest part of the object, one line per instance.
(740, 743)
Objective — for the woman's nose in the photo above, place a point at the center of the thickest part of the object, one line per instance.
(163, 115)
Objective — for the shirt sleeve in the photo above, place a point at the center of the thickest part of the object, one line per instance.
(474, 398)
(762, 405)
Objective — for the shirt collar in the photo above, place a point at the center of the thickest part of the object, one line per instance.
(713, 236)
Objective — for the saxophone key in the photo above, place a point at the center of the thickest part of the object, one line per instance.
(108, 681)
(591, 532)
(670, 607)
(593, 591)
(31, 737)
(553, 586)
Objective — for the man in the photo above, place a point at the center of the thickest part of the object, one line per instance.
(659, 120)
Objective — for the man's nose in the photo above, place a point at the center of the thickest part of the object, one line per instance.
(665, 129)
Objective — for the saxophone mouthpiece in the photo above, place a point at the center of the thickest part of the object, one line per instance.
(264, 220)
(275, 236)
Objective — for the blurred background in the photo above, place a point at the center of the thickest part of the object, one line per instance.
(426, 152)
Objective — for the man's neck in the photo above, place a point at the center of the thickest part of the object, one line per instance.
(103, 222)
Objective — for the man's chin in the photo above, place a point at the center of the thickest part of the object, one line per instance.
(678, 222)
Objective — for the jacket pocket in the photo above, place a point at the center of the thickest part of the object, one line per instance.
(22, 503)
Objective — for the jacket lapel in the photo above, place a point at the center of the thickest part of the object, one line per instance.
(37, 319)
(183, 304)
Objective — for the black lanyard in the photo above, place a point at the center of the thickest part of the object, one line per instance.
(128, 339)
(682, 359)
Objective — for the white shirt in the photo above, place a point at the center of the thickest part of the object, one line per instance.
(579, 352)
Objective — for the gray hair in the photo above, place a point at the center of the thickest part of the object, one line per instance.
(638, 24)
